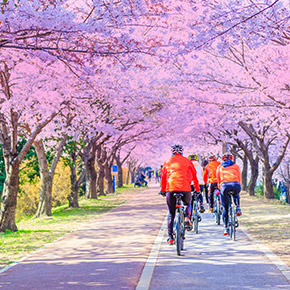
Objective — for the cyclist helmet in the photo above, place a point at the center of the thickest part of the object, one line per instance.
(227, 156)
(193, 157)
(211, 158)
(177, 149)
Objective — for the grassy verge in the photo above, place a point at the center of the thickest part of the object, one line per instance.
(269, 222)
(34, 233)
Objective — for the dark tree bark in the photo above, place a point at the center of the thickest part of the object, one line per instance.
(120, 163)
(9, 137)
(101, 171)
(254, 165)
(12, 163)
(262, 146)
(91, 175)
(107, 171)
(46, 176)
(120, 171)
(75, 181)
(245, 173)
(9, 199)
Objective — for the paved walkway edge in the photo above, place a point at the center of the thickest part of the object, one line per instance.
(285, 269)
(62, 237)
(147, 273)
(32, 253)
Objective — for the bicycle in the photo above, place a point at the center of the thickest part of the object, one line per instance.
(233, 222)
(218, 210)
(178, 227)
(195, 214)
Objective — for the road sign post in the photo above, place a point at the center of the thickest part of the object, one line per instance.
(114, 171)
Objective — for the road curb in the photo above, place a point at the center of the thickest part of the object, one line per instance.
(285, 269)
(147, 273)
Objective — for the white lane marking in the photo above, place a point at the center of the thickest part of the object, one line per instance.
(147, 273)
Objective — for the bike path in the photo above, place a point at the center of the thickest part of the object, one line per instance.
(214, 261)
(108, 253)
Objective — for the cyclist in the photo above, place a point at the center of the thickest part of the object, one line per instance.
(177, 174)
(209, 176)
(199, 173)
(229, 179)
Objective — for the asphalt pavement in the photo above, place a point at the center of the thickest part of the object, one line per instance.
(213, 261)
(126, 248)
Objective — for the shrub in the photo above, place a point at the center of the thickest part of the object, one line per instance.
(28, 197)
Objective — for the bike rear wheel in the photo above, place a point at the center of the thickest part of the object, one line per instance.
(195, 218)
(232, 223)
(178, 234)
(218, 213)
(182, 231)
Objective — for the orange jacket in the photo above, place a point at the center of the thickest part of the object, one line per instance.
(177, 174)
(228, 174)
(210, 172)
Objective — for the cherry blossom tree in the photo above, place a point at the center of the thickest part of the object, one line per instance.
(21, 115)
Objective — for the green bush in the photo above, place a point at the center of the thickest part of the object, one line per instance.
(259, 190)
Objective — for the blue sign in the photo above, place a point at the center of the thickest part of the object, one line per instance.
(115, 168)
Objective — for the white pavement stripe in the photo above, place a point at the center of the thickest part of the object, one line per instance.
(147, 273)
(285, 269)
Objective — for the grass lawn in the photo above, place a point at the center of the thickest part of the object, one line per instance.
(269, 222)
(34, 233)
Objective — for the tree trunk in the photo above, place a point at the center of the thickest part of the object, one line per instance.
(245, 173)
(133, 174)
(45, 203)
(120, 171)
(46, 176)
(254, 176)
(254, 163)
(288, 190)
(91, 175)
(108, 178)
(9, 199)
(73, 200)
(268, 184)
(100, 172)
(100, 180)
(128, 179)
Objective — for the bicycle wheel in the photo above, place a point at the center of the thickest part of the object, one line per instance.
(218, 214)
(232, 226)
(178, 234)
(182, 231)
(217, 210)
(230, 220)
(195, 217)
(220, 209)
